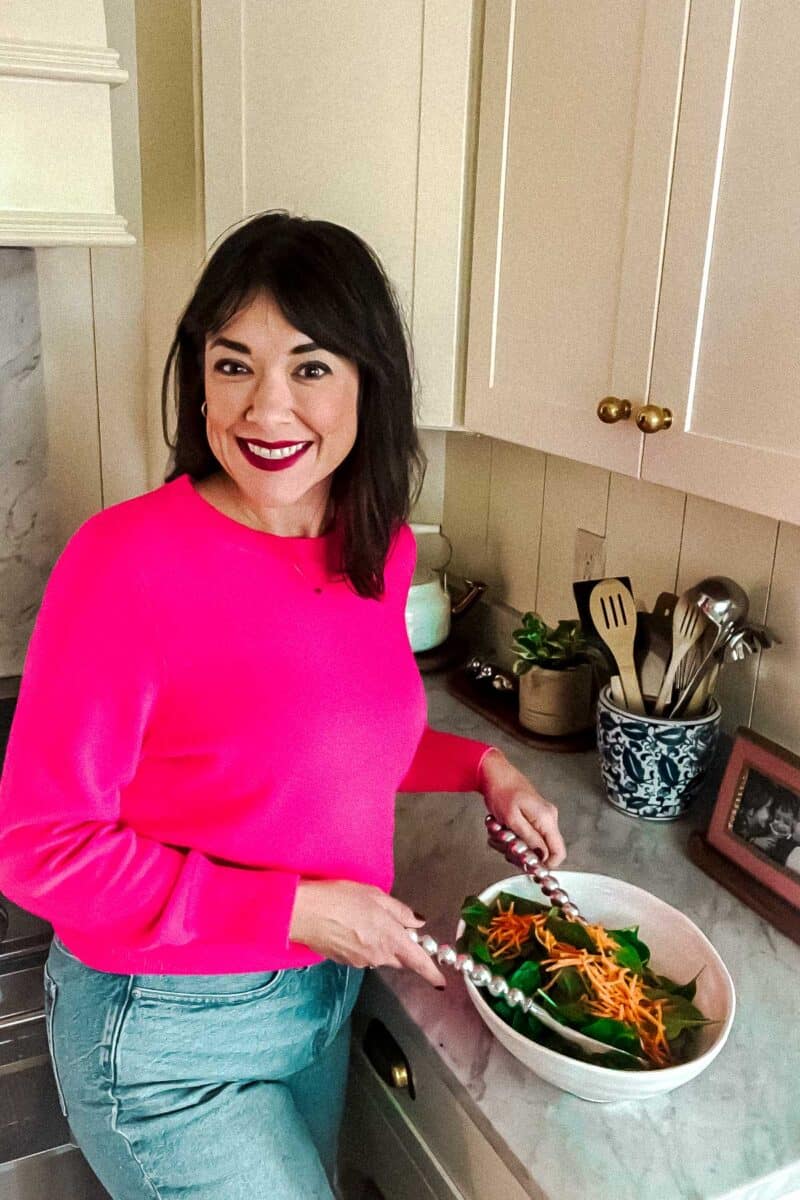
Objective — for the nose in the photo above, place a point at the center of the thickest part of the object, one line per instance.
(271, 399)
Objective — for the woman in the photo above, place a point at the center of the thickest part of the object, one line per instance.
(218, 705)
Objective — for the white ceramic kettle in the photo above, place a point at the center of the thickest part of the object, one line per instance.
(429, 608)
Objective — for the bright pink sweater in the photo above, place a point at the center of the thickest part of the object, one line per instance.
(198, 729)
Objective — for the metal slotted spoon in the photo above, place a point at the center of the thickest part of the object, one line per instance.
(519, 854)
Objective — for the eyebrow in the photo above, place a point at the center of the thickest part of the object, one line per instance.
(240, 347)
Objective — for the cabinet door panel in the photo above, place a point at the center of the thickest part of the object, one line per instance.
(726, 354)
(382, 1156)
(577, 129)
(361, 114)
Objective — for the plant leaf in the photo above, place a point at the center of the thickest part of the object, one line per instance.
(520, 1021)
(618, 1034)
(679, 1014)
(571, 932)
(569, 987)
(474, 912)
(670, 988)
(527, 977)
(522, 905)
(633, 952)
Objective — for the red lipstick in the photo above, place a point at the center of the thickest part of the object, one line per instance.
(271, 464)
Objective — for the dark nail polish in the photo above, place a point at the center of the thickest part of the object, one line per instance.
(440, 987)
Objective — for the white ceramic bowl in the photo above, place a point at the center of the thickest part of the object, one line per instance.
(678, 949)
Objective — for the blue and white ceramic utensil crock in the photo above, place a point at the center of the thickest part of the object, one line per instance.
(653, 767)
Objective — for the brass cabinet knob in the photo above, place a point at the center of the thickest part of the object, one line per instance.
(610, 410)
(651, 418)
(387, 1058)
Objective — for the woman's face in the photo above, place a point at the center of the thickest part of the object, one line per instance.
(270, 387)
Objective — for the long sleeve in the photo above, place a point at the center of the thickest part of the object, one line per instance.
(89, 686)
(445, 762)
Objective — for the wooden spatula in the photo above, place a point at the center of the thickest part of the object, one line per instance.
(613, 613)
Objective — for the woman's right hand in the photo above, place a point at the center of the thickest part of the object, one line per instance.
(357, 924)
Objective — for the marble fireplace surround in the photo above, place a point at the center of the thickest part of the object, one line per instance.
(29, 538)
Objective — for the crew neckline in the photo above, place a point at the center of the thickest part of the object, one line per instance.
(316, 547)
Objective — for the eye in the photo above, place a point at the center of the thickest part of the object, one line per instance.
(229, 367)
(321, 367)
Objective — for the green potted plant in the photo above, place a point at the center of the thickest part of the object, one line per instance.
(556, 677)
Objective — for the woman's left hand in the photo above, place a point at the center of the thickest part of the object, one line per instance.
(514, 801)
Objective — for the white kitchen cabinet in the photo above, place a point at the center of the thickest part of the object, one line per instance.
(577, 124)
(382, 1156)
(727, 347)
(637, 235)
(398, 1139)
(362, 114)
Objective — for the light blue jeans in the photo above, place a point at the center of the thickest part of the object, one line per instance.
(203, 1087)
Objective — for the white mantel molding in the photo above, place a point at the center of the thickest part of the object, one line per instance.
(41, 60)
(63, 229)
(56, 158)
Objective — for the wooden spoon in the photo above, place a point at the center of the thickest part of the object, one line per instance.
(688, 626)
(613, 612)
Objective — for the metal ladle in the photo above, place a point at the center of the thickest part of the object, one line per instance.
(725, 603)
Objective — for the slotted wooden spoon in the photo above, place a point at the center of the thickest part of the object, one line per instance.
(613, 612)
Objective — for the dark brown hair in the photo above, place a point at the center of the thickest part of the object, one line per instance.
(329, 284)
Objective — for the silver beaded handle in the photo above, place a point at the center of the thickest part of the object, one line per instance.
(497, 986)
(479, 973)
(531, 862)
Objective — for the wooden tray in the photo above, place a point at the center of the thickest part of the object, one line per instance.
(501, 709)
(750, 891)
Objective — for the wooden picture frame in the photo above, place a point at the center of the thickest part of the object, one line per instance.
(756, 819)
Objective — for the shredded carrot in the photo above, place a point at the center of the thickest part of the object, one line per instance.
(507, 932)
(614, 990)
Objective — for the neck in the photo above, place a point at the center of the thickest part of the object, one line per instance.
(310, 522)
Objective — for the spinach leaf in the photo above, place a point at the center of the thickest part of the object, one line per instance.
(569, 986)
(679, 1014)
(619, 1034)
(568, 1012)
(527, 977)
(670, 988)
(522, 906)
(504, 1011)
(474, 912)
(571, 932)
(632, 953)
(519, 1021)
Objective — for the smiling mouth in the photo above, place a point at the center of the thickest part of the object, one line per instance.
(272, 456)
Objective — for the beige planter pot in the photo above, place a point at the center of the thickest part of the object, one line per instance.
(556, 703)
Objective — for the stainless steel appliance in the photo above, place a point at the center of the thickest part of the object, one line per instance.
(38, 1160)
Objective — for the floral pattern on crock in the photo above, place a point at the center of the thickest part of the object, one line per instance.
(653, 771)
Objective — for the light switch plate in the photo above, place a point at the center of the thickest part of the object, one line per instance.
(590, 555)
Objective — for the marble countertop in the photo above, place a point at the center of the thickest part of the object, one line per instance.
(732, 1132)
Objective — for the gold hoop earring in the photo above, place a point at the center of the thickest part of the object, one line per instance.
(204, 408)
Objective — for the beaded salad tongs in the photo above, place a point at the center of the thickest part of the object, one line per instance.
(530, 861)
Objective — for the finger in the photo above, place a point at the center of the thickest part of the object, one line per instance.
(413, 956)
(546, 824)
(523, 829)
(401, 912)
(555, 843)
(542, 825)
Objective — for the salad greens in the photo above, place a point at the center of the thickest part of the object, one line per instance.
(591, 978)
